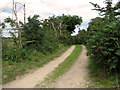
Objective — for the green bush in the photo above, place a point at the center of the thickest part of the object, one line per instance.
(81, 38)
(104, 47)
(42, 39)
(49, 42)
(15, 55)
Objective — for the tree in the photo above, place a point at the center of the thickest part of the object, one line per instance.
(13, 24)
(64, 22)
(31, 31)
(117, 7)
(104, 44)
(96, 24)
(71, 21)
(38, 37)
(109, 12)
(55, 23)
(81, 37)
(2, 25)
(15, 12)
(63, 26)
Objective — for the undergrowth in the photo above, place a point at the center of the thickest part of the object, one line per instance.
(10, 69)
(100, 78)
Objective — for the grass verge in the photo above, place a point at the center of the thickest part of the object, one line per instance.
(62, 68)
(10, 70)
(100, 78)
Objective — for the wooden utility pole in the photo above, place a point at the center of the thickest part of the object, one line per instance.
(14, 9)
(17, 23)
(24, 14)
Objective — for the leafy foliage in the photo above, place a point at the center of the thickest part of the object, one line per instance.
(44, 36)
(109, 12)
(96, 24)
(15, 55)
(104, 46)
(67, 22)
(37, 37)
(81, 37)
(104, 41)
(63, 26)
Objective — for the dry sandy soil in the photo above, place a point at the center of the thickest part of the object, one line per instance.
(31, 79)
(77, 75)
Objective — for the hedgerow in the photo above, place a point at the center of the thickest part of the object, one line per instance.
(104, 46)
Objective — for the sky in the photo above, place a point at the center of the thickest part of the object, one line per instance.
(46, 8)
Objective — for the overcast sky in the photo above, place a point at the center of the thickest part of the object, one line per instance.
(46, 8)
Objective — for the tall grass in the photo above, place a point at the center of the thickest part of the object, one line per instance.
(11, 69)
(100, 78)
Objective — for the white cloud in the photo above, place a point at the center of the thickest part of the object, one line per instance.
(57, 7)
(45, 8)
(76, 32)
(3, 3)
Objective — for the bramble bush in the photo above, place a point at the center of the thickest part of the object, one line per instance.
(104, 38)
(104, 47)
